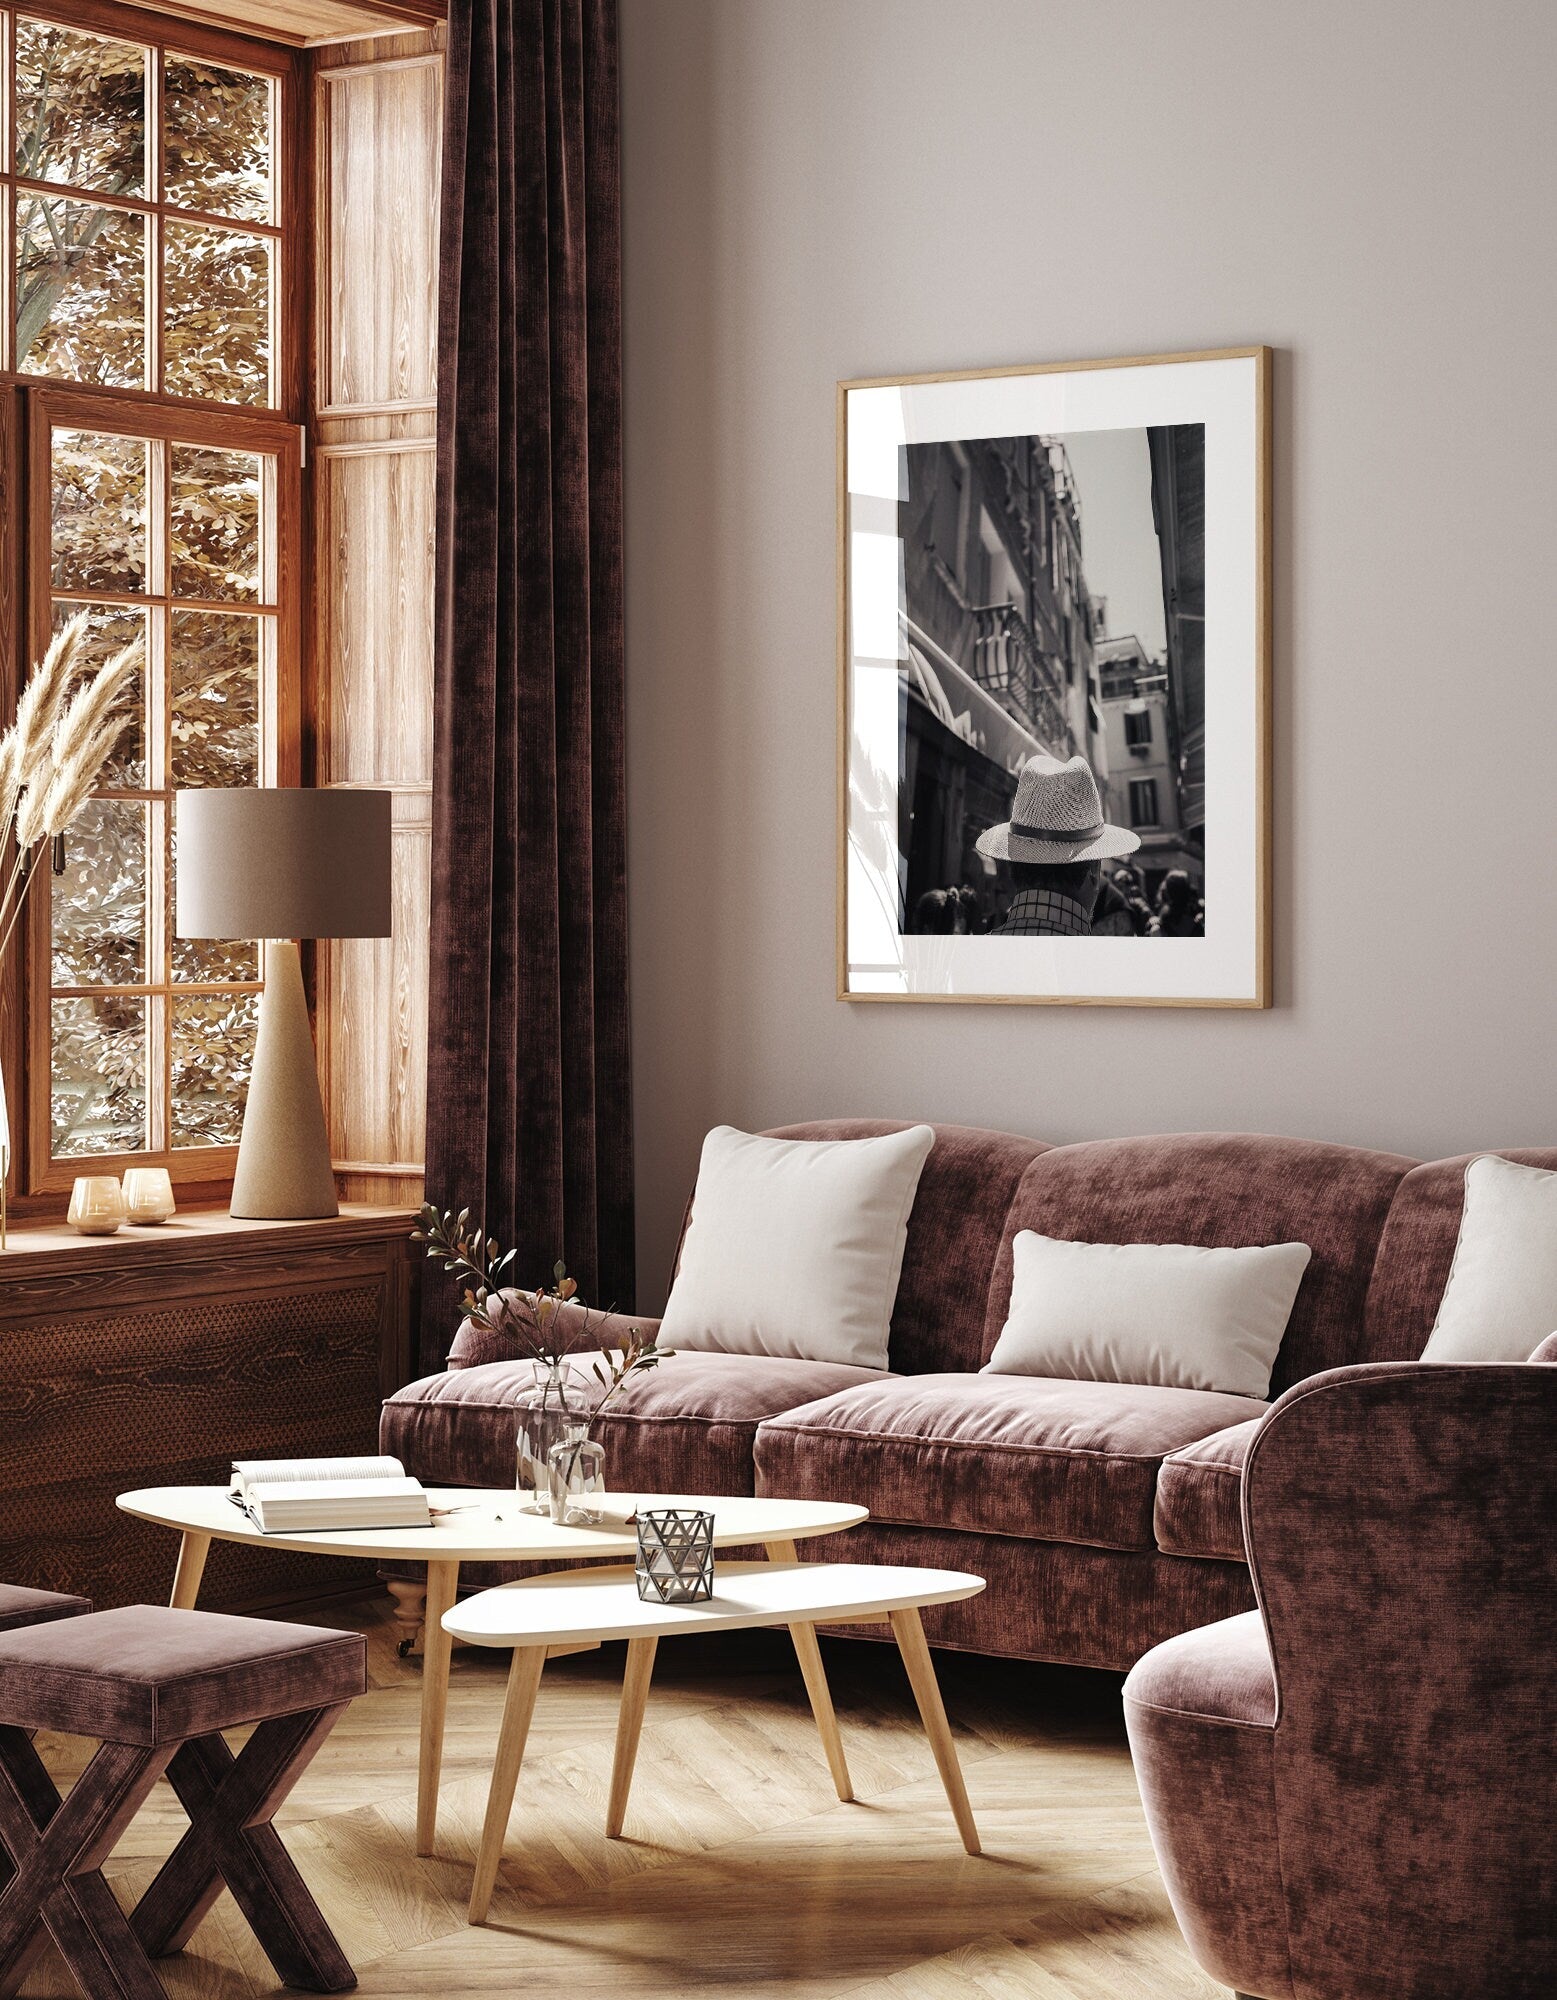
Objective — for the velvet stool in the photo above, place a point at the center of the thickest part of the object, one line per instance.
(19, 1607)
(156, 1688)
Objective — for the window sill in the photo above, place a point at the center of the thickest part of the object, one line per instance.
(34, 1246)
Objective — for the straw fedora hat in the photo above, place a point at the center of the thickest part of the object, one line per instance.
(1056, 816)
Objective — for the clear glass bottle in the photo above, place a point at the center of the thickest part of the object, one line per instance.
(577, 1478)
(547, 1412)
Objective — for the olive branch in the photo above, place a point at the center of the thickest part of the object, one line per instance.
(535, 1319)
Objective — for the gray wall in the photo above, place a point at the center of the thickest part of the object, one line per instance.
(824, 188)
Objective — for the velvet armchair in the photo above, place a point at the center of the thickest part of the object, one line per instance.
(1353, 1790)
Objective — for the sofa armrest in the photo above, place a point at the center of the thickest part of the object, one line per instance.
(1547, 1351)
(584, 1332)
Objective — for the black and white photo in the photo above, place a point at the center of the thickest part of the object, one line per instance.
(1052, 764)
(1054, 698)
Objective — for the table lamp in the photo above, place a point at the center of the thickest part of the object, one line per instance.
(279, 865)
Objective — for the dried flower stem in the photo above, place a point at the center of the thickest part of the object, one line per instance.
(534, 1319)
(53, 755)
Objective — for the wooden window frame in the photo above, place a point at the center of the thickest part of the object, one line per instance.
(226, 429)
(292, 253)
(31, 405)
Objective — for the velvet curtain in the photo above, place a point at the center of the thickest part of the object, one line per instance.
(529, 1101)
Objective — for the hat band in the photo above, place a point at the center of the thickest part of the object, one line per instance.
(1057, 833)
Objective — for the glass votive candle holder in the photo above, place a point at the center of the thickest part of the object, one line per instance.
(148, 1195)
(675, 1556)
(96, 1205)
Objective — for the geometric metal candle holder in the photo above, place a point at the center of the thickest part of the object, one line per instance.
(675, 1556)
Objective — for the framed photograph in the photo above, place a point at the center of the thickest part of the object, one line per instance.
(1054, 669)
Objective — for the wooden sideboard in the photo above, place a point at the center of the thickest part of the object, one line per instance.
(156, 1356)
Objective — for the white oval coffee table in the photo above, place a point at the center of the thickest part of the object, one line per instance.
(488, 1525)
(596, 1604)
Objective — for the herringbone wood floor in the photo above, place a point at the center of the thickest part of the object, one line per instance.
(740, 1870)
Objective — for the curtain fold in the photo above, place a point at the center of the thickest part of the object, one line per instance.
(529, 1099)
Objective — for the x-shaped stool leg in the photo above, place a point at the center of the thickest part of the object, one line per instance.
(57, 1849)
(230, 1802)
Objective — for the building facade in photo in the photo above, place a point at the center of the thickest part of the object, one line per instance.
(1000, 644)
(1178, 456)
(1145, 761)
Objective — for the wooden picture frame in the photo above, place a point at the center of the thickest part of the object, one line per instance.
(974, 645)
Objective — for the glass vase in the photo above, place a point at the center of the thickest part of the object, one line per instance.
(577, 1479)
(547, 1413)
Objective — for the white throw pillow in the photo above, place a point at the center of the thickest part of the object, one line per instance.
(1501, 1299)
(1165, 1314)
(795, 1246)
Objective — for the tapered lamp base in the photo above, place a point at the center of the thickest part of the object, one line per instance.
(284, 1172)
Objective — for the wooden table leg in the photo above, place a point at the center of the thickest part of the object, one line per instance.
(442, 1586)
(812, 1672)
(192, 1552)
(524, 1678)
(909, 1634)
(629, 1727)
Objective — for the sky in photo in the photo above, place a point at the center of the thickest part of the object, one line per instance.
(1118, 540)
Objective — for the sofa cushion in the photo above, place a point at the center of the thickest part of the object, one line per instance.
(795, 1246)
(1175, 1314)
(1199, 1509)
(1222, 1671)
(1416, 1252)
(994, 1454)
(954, 1230)
(1223, 1190)
(684, 1427)
(1501, 1299)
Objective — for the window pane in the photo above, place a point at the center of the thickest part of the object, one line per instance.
(213, 961)
(98, 1085)
(80, 109)
(80, 292)
(215, 314)
(215, 548)
(213, 1053)
(99, 502)
(216, 124)
(99, 903)
(110, 627)
(214, 698)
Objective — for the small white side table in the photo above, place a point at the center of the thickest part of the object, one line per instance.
(584, 1606)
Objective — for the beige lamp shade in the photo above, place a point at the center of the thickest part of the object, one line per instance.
(282, 863)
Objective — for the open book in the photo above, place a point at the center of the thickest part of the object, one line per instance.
(295, 1496)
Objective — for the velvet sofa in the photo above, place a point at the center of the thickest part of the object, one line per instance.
(1105, 1517)
(1354, 1794)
